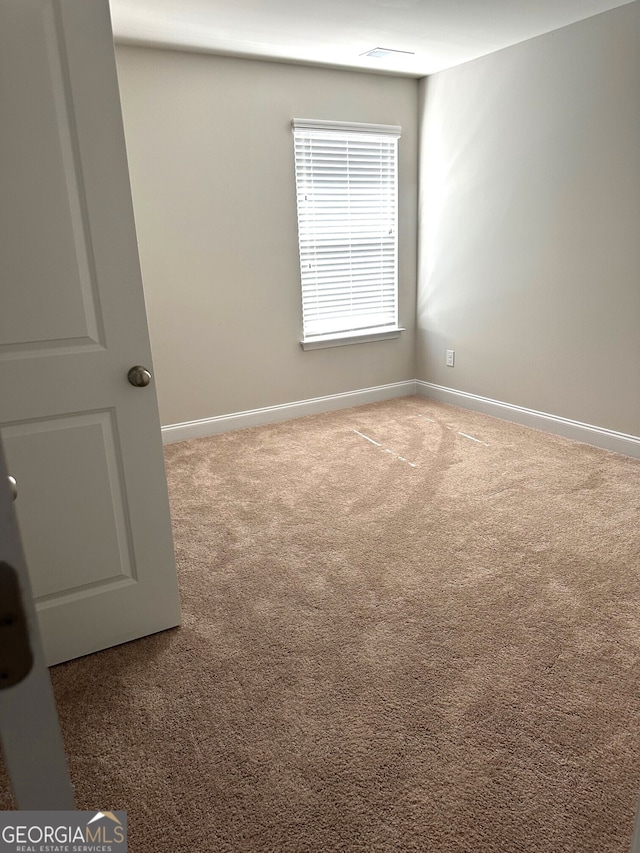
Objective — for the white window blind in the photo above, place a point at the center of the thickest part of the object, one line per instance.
(347, 201)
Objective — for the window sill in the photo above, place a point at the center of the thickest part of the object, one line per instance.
(341, 340)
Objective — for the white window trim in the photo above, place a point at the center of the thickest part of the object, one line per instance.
(323, 341)
(364, 335)
(347, 126)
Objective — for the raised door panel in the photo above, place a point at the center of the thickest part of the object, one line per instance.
(70, 479)
(42, 197)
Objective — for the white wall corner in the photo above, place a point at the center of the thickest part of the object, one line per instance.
(286, 411)
(618, 442)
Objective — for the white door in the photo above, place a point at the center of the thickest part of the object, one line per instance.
(83, 443)
(29, 731)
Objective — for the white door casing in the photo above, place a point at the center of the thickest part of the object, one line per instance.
(83, 443)
(29, 731)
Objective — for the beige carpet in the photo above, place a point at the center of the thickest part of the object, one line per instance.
(407, 627)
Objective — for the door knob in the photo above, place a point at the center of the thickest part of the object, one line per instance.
(139, 376)
(13, 486)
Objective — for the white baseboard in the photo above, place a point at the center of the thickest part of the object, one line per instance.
(619, 442)
(273, 414)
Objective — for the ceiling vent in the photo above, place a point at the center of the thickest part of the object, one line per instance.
(379, 52)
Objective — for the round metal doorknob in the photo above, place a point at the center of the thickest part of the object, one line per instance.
(13, 486)
(139, 376)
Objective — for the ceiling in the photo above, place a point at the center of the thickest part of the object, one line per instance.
(438, 33)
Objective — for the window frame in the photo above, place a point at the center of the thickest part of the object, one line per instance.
(356, 135)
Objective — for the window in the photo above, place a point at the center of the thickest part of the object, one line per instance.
(347, 200)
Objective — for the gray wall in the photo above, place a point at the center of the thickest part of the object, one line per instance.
(211, 161)
(530, 224)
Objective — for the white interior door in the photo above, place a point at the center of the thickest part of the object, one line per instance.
(83, 443)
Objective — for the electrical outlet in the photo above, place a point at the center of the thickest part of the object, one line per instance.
(451, 355)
